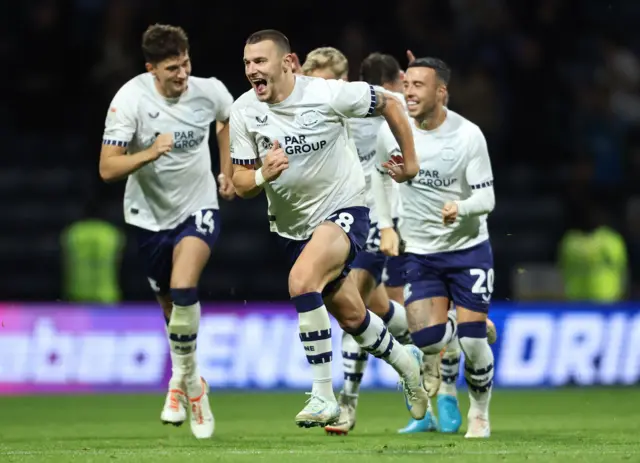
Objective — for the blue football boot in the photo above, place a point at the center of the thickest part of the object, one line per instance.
(427, 424)
(449, 415)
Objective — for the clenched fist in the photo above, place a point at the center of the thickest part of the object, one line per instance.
(162, 145)
(275, 162)
(389, 242)
(449, 213)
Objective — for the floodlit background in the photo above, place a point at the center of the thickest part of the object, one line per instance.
(555, 87)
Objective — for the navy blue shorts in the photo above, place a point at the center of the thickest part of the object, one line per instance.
(393, 273)
(466, 277)
(355, 223)
(156, 248)
(371, 258)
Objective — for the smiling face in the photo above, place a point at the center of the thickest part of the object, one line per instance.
(266, 66)
(172, 74)
(423, 91)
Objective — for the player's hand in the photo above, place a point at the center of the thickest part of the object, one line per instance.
(449, 213)
(275, 162)
(396, 168)
(162, 145)
(389, 242)
(410, 56)
(226, 188)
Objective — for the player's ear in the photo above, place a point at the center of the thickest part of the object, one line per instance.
(287, 62)
(149, 67)
(442, 93)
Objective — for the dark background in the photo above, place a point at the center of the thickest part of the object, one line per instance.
(554, 85)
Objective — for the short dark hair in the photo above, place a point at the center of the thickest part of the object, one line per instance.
(275, 36)
(162, 41)
(379, 69)
(443, 72)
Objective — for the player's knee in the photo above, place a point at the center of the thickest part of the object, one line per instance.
(472, 337)
(301, 282)
(432, 339)
(351, 320)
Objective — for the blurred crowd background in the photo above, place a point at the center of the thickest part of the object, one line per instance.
(554, 85)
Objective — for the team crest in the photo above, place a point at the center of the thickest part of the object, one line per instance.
(266, 143)
(308, 118)
(448, 154)
(200, 115)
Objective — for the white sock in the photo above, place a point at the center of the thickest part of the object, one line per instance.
(396, 321)
(354, 360)
(374, 338)
(183, 334)
(478, 365)
(315, 334)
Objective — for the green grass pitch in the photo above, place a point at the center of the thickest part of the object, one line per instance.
(569, 425)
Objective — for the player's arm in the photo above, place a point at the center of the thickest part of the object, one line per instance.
(392, 110)
(116, 164)
(381, 182)
(224, 143)
(223, 104)
(479, 177)
(120, 126)
(244, 158)
(247, 180)
(382, 189)
(359, 99)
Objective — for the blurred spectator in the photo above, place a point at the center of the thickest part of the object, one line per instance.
(92, 251)
(593, 257)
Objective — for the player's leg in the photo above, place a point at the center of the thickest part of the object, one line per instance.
(320, 261)
(471, 290)
(394, 280)
(395, 293)
(354, 358)
(190, 255)
(427, 301)
(368, 330)
(155, 250)
(449, 416)
(176, 403)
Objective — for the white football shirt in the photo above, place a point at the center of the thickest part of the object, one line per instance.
(365, 133)
(163, 193)
(454, 161)
(324, 173)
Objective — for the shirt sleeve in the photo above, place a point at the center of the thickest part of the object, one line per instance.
(243, 148)
(479, 177)
(381, 182)
(478, 173)
(386, 145)
(223, 100)
(352, 99)
(120, 124)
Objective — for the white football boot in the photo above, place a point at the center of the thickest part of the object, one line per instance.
(202, 421)
(319, 411)
(347, 420)
(478, 426)
(175, 408)
(416, 397)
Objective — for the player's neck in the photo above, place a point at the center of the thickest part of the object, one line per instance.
(286, 89)
(163, 93)
(433, 120)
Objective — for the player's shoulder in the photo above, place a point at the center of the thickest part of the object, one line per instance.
(247, 100)
(132, 90)
(207, 85)
(463, 125)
